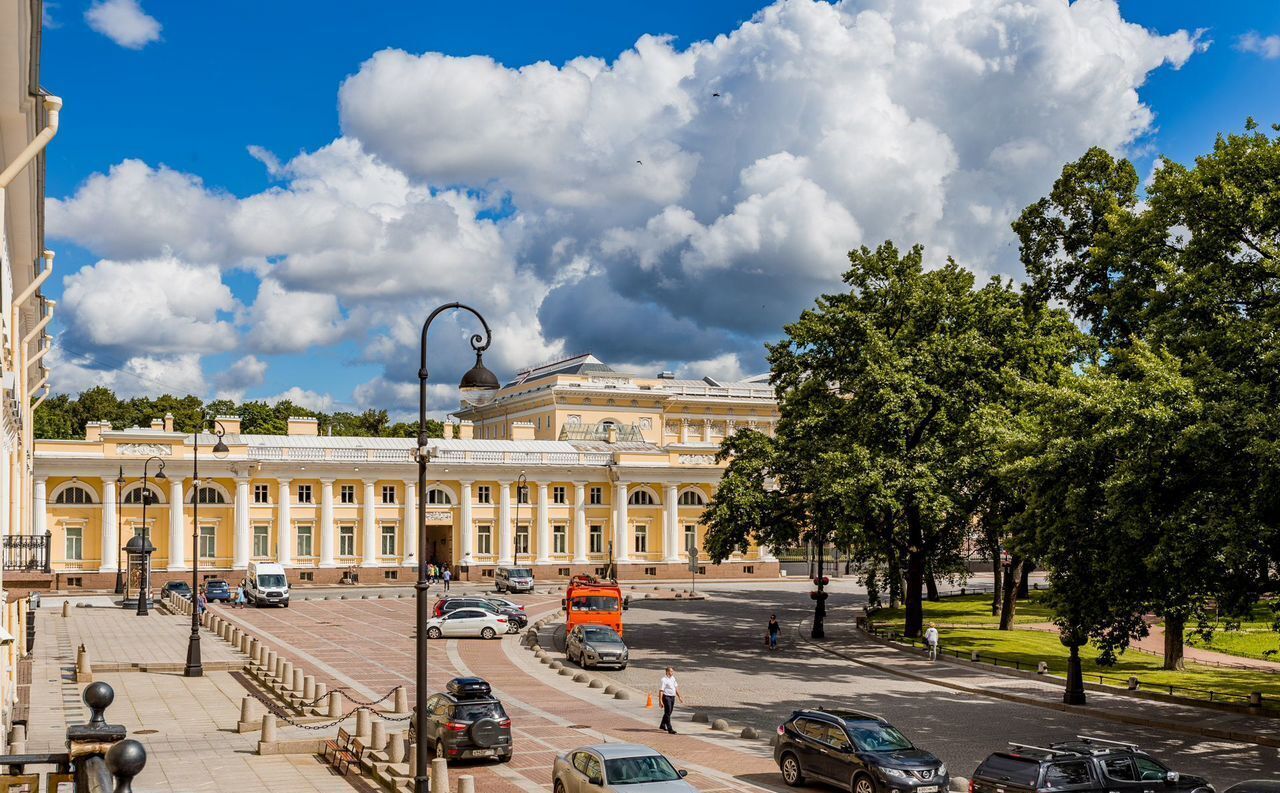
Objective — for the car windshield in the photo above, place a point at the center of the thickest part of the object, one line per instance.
(271, 579)
(216, 584)
(600, 634)
(877, 738)
(595, 603)
(475, 711)
(639, 770)
(520, 572)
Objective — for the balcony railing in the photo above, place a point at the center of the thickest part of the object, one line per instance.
(310, 454)
(28, 552)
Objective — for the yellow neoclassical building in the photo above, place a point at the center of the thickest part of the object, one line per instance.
(569, 467)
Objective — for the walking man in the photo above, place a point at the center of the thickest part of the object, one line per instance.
(774, 630)
(931, 641)
(448, 576)
(668, 693)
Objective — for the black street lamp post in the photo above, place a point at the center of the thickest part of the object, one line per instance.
(476, 382)
(194, 667)
(820, 597)
(522, 497)
(119, 542)
(144, 580)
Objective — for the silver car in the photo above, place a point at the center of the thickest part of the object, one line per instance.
(596, 645)
(617, 768)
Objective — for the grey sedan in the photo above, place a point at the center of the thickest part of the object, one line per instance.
(596, 645)
(617, 768)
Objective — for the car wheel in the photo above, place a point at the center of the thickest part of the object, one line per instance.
(487, 633)
(433, 633)
(791, 771)
(512, 627)
(559, 786)
(862, 784)
(505, 758)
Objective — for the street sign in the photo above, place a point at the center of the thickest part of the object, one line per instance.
(693, 560)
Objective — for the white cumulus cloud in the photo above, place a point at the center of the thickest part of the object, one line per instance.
(124, 22)
(1266, 46)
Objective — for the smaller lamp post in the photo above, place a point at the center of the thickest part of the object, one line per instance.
(144, 580)
(120, 480)
(522, 496)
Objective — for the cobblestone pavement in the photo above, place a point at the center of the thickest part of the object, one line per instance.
(717, 646)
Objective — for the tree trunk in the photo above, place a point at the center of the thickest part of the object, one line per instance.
(915, 575)
(1174, 629)
(931, 587)
(1024, 582)
(1009, 604)
(997, 585)
(1074, 692)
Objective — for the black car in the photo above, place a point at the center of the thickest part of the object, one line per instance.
(217, 589)
(854, 751)
(178, 589)
(1085, 765)
(467, 722)
(516, 619)
(1255, 786)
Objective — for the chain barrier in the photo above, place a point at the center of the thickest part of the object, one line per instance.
(275, 710)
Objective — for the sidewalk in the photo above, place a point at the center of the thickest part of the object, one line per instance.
(846, 642)
(188, 725)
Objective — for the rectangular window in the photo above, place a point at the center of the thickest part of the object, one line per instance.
(346, 540)
(208, 542)
(484, 540)
(347, 494)
(388, 540)
(522, 539)
(75, 543)
(484, 495)
(522, 494)
(641, 538)
(304, 494)
(596, 539)
(306, 575)
(261, 541)
(597, 495)
(388, 494)
(559, 539)
(690, 536)
(261, 494)
(558, 495)
(303, 534)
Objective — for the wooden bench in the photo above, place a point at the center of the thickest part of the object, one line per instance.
(348, 757)
(336, 746)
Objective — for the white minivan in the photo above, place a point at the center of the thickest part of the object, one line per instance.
(267, 585)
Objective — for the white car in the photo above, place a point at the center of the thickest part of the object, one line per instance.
(467, 622)
(617, 768)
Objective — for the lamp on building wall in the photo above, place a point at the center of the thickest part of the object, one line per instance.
(120, 480)
(477, 384)
(194, 667)
(144, 577)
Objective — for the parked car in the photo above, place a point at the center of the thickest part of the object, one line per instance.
(178, 588)
(513, 579)
(217, 589)
(497, 601)
(617, 768)
(267, 585)
(467, 622)
(1085, 765)
(467, 722)
(855, 751)
(516, 618)
(596, 645)
(1255, 786)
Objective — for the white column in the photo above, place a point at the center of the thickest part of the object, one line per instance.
(505, 546)
(370, 527)
(328, 541)
(621, 531)
(177, 527)
(684, 430)
(670, 524)
(706, 431)
(244, 538)
(544, 531)
(39, 514)
(110, 526)
(466, 532)
(410, 522)
(579, 523)
(284, 531)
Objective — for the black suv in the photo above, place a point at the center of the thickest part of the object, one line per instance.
(1085, 765)
(467, 722)
(855, 751)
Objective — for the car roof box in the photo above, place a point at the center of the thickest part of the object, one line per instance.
(469, 688)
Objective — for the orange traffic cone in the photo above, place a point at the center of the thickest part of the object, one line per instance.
(648, 703)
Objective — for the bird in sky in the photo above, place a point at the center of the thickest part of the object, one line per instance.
(716, 94)
(639, 163)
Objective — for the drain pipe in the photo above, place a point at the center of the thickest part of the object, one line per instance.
(35, 284)
(31, 334)
(43, 351)
(38, 386)
(52, 105)
(43, 397)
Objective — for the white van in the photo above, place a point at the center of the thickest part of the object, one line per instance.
(267, 585)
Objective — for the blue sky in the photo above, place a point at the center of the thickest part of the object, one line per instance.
(201, 82)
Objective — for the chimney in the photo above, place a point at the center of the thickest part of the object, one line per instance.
(93, 431)
(465, 430)
(303, 426)
(448, 430)
(522, 431)
(611, 433)
(168, 422)
(230, 424)
(157, 424)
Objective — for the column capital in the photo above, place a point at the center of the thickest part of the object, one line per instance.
(284, 480)
(329, 480)
(542, 486)
(580, 483)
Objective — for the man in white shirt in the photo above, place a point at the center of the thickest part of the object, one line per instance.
(931, 641)
(668, 693)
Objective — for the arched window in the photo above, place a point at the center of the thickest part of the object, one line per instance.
(135, 496)
(692, 498)
(74, 495)
(210, 495)
(641, 498)
(438, 495)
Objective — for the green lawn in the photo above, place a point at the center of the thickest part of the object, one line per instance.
(968, 610)
(1263, 644)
